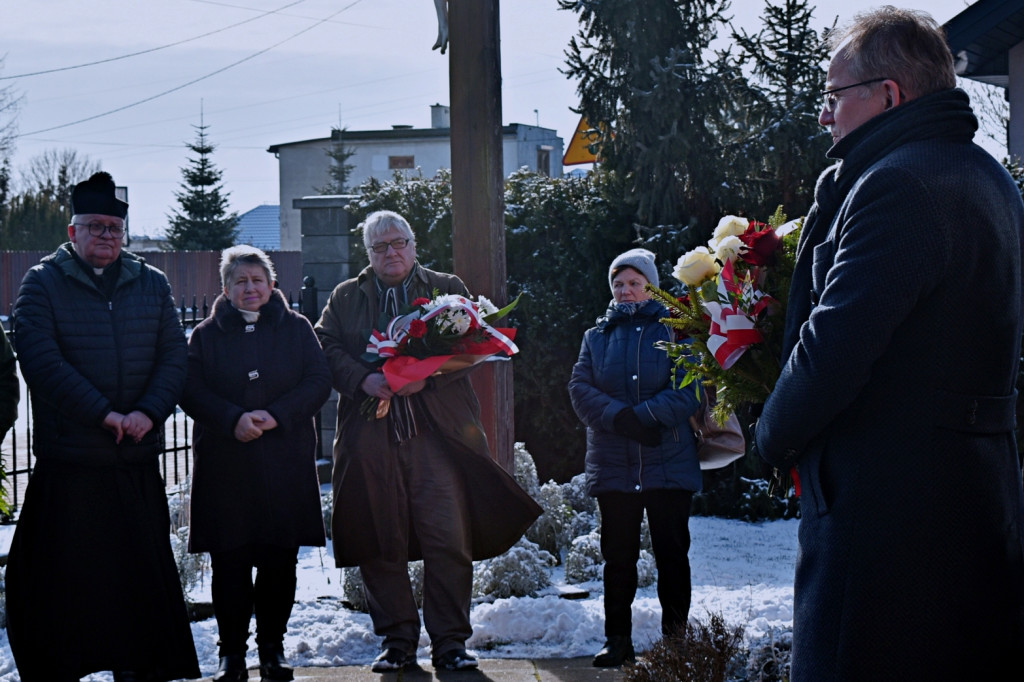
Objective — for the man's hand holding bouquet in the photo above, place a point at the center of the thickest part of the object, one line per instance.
(436, 336)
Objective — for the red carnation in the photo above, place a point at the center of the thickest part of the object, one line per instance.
(762, 245)
(417, 329)
(421, 301)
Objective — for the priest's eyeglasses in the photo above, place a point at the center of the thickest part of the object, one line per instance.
(830, 100)
(97, 229)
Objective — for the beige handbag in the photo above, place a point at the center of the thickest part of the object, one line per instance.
(718, 445)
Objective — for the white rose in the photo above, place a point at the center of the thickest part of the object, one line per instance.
(693, 267)
(727, 248)
(729, 226)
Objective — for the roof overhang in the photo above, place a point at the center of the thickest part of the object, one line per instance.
(981, 36)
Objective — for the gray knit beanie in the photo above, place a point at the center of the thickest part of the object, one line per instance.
(640, 260)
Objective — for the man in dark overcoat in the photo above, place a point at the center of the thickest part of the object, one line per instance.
(418, 482)
(91, 580)
(896, 398)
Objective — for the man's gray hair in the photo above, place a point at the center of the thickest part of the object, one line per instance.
(904, 45)
(232, 257)
(379, 222)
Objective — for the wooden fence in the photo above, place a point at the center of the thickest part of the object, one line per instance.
(192, 274)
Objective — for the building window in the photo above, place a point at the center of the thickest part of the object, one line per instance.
(401, 162)
(544, 160)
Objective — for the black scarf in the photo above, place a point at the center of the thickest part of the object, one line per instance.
(944, 115)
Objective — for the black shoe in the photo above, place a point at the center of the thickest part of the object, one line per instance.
(274, 666)
(617, 650)
(231, 669)
(456, 659)
(392, 659)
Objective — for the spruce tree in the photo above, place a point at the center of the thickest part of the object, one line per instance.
(665, 110)
(202, 223)
(340, 170)
(788, 60)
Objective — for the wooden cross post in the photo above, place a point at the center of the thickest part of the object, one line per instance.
(478, 204)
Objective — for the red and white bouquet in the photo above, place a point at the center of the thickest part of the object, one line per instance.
(446, 333)
(730, 323)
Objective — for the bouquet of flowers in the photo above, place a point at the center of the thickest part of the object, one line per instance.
(730, 323)
(439, 335)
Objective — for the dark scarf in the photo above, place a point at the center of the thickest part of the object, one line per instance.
(407, 416)
(944, 115)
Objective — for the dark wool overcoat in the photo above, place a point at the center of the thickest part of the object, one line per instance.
(618, 367)
(365, 513)
(91, 579)
(264, 491)
(896, 404)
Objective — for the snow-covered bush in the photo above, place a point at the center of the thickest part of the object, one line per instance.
(551, 530)
(525, 471)
(522, 571)
(326, 506)
(577, 497)
(352, 586)
(769, 657)
(646, 569)
(191, 567)
(583, 561)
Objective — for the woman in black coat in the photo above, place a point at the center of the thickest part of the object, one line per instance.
(256, 378)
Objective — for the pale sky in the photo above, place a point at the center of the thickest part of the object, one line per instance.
(308, 65)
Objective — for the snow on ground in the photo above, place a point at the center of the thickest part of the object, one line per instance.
(742, 570)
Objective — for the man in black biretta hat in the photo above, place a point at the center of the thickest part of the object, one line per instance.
(97, 226)
(104, 356)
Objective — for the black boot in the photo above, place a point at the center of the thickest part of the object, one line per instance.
(274, 666)
(617, 650)
(231, 669)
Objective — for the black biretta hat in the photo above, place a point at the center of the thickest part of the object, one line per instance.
(96, 195)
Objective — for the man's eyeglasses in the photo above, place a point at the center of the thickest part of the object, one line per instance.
(830, 100)
(97, 229)
(396, 244)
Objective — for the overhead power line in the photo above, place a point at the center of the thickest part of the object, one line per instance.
(195, 80)
(152, 49)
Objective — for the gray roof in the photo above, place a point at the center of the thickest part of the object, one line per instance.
(261, 227)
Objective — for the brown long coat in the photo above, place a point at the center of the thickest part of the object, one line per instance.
(365, 511)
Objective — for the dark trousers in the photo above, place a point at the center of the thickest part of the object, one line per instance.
(236, 595)
(668, 515)
(432, 489)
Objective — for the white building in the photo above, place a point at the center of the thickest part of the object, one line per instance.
(303, 166)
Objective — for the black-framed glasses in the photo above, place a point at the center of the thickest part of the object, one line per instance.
(97, 229)
(396, 244)
(830, 100)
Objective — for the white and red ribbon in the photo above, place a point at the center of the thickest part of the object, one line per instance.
(733, 329)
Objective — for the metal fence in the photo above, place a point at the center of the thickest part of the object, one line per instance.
(176, 457)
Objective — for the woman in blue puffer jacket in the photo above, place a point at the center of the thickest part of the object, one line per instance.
(641, 452)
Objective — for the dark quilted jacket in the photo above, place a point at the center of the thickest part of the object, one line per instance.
(85, 354)
(620, 367)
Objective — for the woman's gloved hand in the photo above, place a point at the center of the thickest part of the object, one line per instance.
(627, 424)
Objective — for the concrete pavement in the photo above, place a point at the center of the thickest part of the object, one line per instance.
(491, 669)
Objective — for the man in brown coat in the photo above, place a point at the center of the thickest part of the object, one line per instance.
(419, 482)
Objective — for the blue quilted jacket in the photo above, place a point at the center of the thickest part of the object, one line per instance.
(620, 367)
